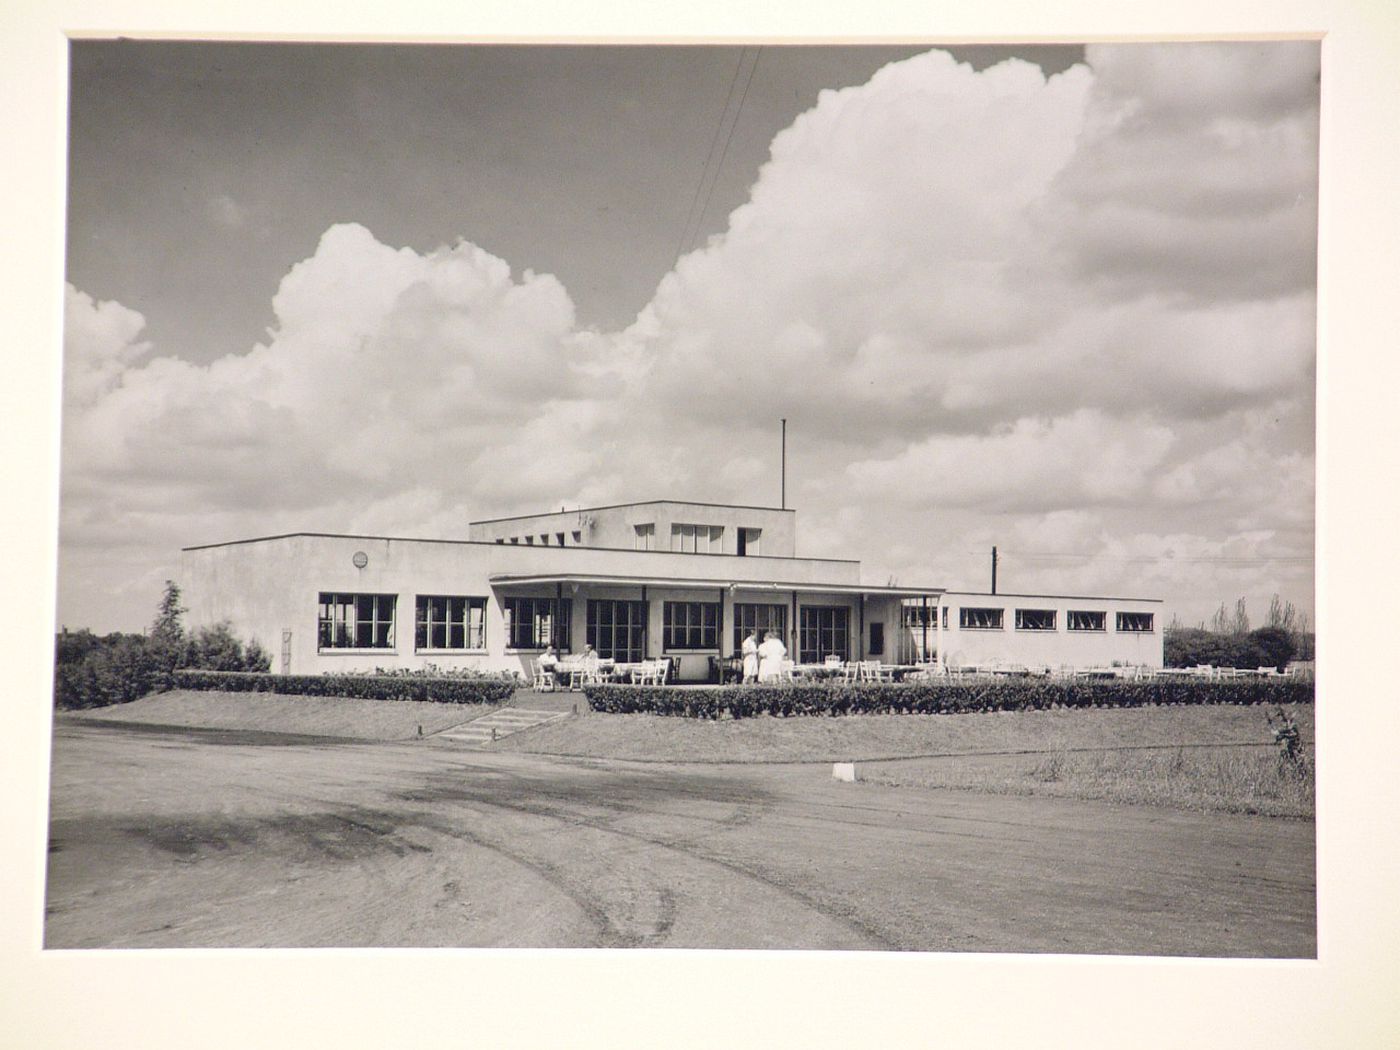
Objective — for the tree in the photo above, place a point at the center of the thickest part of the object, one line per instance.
(168, 627)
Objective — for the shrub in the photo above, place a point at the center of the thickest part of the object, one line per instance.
(92, 671)
(443, 689)
(1265, 647)
(949, 697)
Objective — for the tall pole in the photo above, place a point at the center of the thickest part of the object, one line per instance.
(994, 570)
(783, 472)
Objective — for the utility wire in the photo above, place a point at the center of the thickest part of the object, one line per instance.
(714, 138)
(695, 219)
(724, 154)
(1221, 559)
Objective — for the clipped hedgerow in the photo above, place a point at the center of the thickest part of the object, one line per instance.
(439, 689)
(939, 697)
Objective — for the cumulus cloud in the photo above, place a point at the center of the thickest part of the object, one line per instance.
(1073, 316)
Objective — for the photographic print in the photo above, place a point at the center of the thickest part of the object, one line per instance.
(769, 496)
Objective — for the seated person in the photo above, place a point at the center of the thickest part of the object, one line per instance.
(589, 660)
(549, 659)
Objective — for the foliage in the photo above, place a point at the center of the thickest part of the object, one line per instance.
(117, 669)
(93, 671)
(940, 697)
(1265, 647)
(442, 688)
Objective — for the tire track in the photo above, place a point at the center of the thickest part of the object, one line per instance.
(831, 911)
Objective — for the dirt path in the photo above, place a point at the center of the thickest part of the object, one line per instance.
(168, 839)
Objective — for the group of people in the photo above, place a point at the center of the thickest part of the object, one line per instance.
(763, 661)
(549, 659)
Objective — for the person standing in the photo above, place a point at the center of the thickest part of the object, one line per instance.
(770, 658)
(750, 653)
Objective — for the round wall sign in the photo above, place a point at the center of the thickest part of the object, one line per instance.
(361, 559)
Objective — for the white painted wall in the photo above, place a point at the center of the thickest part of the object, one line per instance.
(965, 646)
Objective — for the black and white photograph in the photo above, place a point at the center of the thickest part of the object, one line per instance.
(688, 497)
(741, 500)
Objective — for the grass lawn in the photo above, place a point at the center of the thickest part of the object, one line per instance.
(343, 717)
(1192, 757)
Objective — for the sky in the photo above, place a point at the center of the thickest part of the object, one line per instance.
(1057, 300)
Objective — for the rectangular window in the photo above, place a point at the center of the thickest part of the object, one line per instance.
(533, 623)
(544, 539)
(1085, 620)
(356, 621)
(559, 537)
(877, 639)
(445, 622)
(645, 538)
(618, 629)
(981, 619)
(823, 630)
(500, 539)
(915, 616)
(1135, 622)
(578, 538)
(690, 625)
(1035, 619)
(760, 619)
(515, 540)
(750, 542)
(697, 539)
(529, 541)
(945, 617)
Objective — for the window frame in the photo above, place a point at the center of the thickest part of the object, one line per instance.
(695, 634)
(996, 612)
(473, 628)
(602, 632)
(823, 634)
(1121, 617)
(1053, 614)
(557, 612)
(644, 536)
(685, 538)
(1101, 614)
(748, 618)
(333, 623)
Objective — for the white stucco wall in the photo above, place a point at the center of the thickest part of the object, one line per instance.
(1008, 645)
(614, 527)
(265, 587)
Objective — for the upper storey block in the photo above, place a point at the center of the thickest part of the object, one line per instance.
(662, 525)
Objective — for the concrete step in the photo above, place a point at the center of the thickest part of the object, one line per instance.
(499, 724)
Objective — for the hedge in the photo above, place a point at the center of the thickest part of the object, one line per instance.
(442, 689)
(946, 697)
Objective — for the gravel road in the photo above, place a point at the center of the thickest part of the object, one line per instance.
(168, 838)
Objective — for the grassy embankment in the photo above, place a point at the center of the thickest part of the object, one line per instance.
(1208, 758)
(325, 716)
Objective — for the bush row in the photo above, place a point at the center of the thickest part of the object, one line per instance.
(928, 698)
(99, 670)
(444, 689)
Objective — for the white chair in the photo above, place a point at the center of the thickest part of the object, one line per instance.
(541, 680)
(850, 671)
(785, 671)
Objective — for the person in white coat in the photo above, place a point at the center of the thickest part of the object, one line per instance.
(750, 653)
(771, 655)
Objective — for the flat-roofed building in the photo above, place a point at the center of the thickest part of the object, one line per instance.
(637, 581)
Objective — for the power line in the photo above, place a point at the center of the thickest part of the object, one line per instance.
(1210, 559)
(724, 154)
(714, 138)
(695, 219)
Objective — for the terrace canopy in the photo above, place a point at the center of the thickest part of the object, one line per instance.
(885, 602)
